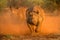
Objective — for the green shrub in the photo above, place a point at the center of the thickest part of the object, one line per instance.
(3, 4)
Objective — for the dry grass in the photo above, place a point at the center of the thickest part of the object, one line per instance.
(29, 37)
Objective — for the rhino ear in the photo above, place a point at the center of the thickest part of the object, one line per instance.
(28, 10)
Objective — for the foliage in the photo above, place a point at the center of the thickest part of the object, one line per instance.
(3, 4)
(13, 3)
(49, 5)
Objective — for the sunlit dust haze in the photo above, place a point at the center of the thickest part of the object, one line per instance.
(14, 22)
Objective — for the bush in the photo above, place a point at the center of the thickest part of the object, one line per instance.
(3, 4)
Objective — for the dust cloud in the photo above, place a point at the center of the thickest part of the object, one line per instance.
(14, 22)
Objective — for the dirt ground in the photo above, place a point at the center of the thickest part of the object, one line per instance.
(10, 37)
(16, 25)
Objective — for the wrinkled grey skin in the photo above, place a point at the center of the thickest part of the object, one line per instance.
(30, 19)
